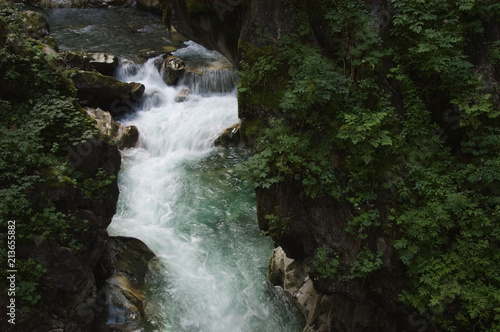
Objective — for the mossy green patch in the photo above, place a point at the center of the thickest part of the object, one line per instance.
(196, 6)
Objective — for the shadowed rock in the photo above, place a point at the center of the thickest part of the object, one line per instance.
(108, 93)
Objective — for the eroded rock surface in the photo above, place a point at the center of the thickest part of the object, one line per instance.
(123, 136)
(125, 265)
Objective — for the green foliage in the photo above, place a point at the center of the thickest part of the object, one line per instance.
(196, 6)
(278, 225)
(326, 263)
(27, 286)
(291, 155)
(96, 187)
(366, 262)
(370, 125)
(40, 120)
(258, 74)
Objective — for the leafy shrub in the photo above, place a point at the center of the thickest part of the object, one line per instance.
(406, 131)
(40, 120)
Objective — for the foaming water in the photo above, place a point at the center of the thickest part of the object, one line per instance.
(183, 198)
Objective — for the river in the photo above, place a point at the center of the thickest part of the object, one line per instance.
(183, 197)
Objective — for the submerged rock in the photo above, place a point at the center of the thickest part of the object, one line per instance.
(123, 305)
(182, 95)
(123, 136)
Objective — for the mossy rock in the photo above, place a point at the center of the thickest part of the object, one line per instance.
(35, 24)
(105, 92)
(53, 179)
(102, 62)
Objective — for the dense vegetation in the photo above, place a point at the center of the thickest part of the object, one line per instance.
(40, 120)
(405, 127)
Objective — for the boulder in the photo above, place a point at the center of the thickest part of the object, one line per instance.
(123, 136)
(122, 301)
(105, 92)
(100, 62)
(35, 24)
(172, 69)
(80, 3)
(63, 3)
(229, 137)
(292, 276)
(216, 77)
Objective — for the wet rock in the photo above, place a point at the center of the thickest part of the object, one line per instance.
(123, 136)
(101, 62)
(148, 54)
(154, 6)
(63, 3)
(229, 137)
(35, 24)
(209, 80)
(105, 92)
(137, 89)
(106, 3)
(172, 69)
(293, 277)
(125, 265)
(80, 3)
(182, 95)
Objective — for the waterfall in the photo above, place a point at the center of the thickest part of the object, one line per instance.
(182, 197)
(209, 81)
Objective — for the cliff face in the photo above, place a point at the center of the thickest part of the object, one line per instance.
(59, 186)
(68, 285)
(236, 30)
(339, 79)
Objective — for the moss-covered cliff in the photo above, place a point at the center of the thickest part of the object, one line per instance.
(375, 126)
(58, 190)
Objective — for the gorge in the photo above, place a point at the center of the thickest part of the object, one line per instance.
(374, 134)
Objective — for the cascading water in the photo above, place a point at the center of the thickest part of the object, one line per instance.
(178, 193)
(181, 196)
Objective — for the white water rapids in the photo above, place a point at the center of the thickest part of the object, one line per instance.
(181, 196)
